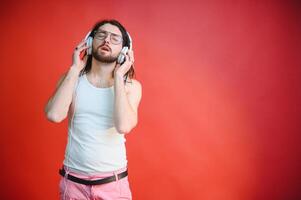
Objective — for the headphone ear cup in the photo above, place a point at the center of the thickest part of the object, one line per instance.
(121, 57)
(89, 45)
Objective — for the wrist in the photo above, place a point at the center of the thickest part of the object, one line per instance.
(118, 80)
(74, 70)
(118, 76)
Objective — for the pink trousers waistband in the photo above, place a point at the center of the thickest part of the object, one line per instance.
(97, 175)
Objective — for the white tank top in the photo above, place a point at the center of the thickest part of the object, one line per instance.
(94, 145)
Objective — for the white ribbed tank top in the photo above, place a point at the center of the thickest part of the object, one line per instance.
(94, 145)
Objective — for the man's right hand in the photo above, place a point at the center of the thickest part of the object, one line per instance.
(78, 62)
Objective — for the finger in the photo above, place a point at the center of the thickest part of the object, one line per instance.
(131, 59)
(126, 62)
(83, 42)
(132, 53)
(80, 49)
(129, 62)
(128, 55)
(127, 58)
(131, 56)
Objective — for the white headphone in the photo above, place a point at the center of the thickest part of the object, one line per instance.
(121, 57)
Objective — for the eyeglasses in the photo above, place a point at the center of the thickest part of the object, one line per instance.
(102, 35)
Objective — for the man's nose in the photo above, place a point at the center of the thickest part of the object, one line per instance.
(107, 39)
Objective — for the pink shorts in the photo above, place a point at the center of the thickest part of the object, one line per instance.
(119, 189)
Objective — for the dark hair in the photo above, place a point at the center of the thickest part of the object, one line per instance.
(126, 42)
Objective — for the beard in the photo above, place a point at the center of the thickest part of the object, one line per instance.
(102, 58)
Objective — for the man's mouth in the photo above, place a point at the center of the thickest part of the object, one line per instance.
(105, 48)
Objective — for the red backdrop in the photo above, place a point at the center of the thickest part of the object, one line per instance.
(220, 111)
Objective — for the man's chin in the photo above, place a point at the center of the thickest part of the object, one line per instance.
(104, 59)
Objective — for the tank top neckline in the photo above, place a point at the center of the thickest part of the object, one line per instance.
(98, 88)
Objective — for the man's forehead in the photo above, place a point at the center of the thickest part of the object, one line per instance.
(111, 28)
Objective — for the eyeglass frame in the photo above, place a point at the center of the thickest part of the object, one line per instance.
(107, 33)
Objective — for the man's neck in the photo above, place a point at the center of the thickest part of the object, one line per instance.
(102, 71)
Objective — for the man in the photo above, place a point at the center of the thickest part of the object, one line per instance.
(101, 99)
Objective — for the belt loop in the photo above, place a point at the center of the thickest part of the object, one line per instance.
(66, 172)
(116, 175)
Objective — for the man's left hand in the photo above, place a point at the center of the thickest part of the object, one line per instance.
(121, 70)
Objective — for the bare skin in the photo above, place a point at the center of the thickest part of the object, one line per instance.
(127, 96)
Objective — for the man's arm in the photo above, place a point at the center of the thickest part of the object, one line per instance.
(57, 106)
(126, 105)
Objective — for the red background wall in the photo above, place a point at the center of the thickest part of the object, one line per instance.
(220, 112)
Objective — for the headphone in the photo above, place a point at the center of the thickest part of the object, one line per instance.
(121, 56)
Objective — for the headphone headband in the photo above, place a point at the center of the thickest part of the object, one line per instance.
(131, 46)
